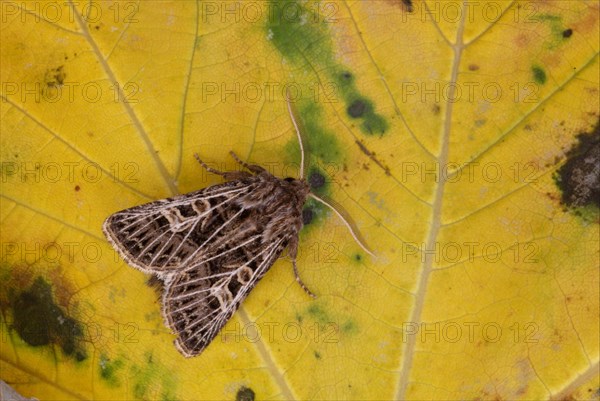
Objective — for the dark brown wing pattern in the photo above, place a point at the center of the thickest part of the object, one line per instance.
(198, 302)
(160, 237)
(210, 247)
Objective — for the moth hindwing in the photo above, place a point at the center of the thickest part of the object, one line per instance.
(210, 247)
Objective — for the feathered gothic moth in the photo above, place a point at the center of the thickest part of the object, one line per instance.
(210, 247)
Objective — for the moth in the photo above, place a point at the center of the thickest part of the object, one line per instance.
(210, 247)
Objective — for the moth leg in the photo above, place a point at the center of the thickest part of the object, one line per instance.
(256, 169)
(230, 175)
(293, 247)
(299, 280)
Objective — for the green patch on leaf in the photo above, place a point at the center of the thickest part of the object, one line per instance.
(558, 30)
(349, 327)
(319, 314)
(295, 32)
(322, 142)
(295, 36)
(319, 142)
(539, 75)
(153, 381)
(109, 370)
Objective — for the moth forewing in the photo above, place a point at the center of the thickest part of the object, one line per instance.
(155, 237)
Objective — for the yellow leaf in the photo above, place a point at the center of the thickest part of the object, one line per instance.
(461, 137)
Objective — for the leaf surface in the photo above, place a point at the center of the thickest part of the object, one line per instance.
(461, 139)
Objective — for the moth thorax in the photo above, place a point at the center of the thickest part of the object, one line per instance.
(298, 187)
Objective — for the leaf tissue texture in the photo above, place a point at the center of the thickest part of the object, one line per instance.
(461, 139)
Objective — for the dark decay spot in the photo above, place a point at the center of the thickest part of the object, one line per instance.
(373, 157)
(357, 108)
(346, 76)
(372, 123)
(567, 33)
(39, 321)
(317, 355)
(316, 180)
(358, 257)
(409, 5)
(244, 394)
(55, 77)
(307, 215)
(473, 67)
(579, 177)
(77, 188)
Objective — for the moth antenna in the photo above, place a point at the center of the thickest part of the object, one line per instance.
(348, 222)
(209, 169)
(290, 110)
(256, 169)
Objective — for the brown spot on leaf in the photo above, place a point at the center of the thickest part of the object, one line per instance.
(245, 394)
(579, 177)
(55, 77)
(371, 155)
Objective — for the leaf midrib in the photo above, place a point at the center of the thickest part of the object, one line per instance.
(436, 214)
